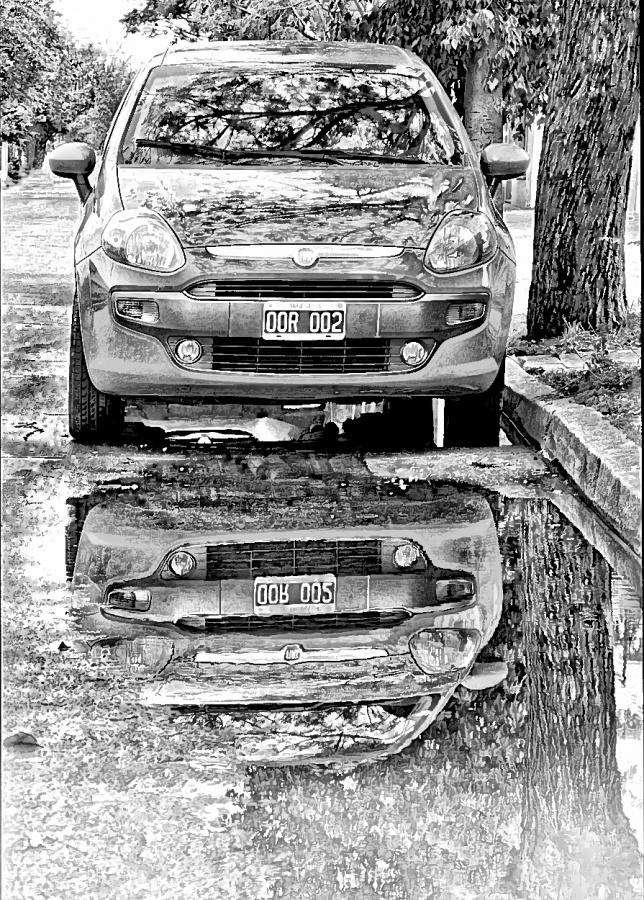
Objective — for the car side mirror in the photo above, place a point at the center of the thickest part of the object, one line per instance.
(500, 162)
(74, 160)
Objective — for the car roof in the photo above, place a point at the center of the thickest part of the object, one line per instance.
(339, 53)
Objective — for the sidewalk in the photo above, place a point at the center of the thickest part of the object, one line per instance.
(574, 361)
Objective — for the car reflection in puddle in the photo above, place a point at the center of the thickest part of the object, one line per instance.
(332, 644)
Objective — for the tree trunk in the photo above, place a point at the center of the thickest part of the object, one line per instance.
(578, 273)
(40, 146)
(576, 841)
(483, 112)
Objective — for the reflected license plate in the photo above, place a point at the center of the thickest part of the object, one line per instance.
(302, 594)
(304, 320)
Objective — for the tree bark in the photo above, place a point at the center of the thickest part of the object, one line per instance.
(576, 841)
(483, 110)
(578, 273)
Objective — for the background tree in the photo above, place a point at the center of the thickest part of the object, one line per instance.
(492, 58)
(578, 273)
(53, 85)
(576, 840)
(94, 84)
(30, 54)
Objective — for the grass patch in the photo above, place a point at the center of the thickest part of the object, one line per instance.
(612, 389)
(577, 339)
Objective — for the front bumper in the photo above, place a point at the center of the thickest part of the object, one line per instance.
(135, 360)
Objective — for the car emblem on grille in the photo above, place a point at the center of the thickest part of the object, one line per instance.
(305, 257)
(292, 653)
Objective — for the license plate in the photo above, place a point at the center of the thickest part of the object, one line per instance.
(296, 320)
(302, 594)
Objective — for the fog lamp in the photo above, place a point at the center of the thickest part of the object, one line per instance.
(406, 555)
(188, 351)
(181, 563)
(414, 353)
(463, 312)
(441, 651)
(140, 310)
(124, 598)
(454, 589)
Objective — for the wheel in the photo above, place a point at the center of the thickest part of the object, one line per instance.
(409, 423)
(93, 415)
(475, 421)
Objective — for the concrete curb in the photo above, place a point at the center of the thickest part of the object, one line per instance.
(602, 462)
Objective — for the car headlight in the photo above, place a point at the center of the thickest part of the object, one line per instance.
(142, 238)
(441, 651)
(461, 240)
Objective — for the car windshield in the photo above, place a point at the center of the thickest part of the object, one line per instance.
(188, 115)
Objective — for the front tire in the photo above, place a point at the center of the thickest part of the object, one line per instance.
(93, 415)
(475, 421)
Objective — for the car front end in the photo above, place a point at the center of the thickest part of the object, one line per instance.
(300, 259)
(296, 621)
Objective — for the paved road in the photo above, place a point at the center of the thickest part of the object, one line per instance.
(517, 784)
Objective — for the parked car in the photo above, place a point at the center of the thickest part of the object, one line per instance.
(304, 222)
(313, 620)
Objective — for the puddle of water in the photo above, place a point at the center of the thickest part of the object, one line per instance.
(532, 784)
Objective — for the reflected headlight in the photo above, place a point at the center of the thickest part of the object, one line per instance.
(181, 563)
(142, 238)
(406, 555)
(461, 240)
(440, 651)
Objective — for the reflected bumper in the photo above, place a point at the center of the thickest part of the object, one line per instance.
(372, 679)
(337, 737)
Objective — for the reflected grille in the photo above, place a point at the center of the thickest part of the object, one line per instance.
(328, 622)
(247, 561)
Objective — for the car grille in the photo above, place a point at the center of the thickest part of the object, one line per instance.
(247, 561)
(322, 622)
(262, 290)
(297, 357)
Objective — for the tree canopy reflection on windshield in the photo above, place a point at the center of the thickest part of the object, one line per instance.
(188, 115)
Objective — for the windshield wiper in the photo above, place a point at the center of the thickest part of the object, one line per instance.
(369, 157)
(219, 153)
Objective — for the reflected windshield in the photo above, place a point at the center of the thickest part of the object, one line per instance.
(297, 116)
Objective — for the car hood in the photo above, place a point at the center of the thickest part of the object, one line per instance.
(396, 206)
